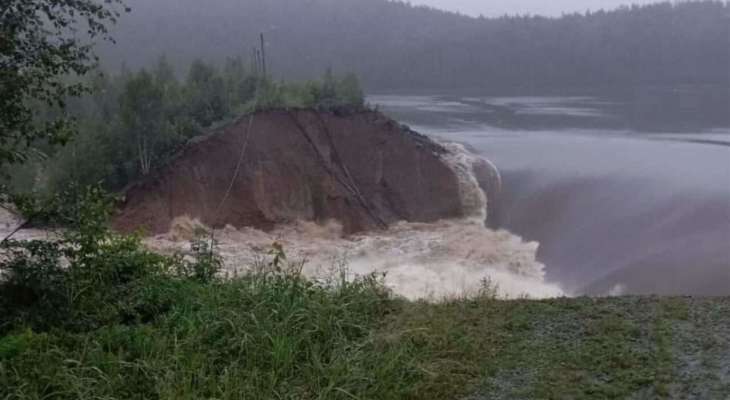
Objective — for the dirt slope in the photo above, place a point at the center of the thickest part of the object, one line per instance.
(363, 170)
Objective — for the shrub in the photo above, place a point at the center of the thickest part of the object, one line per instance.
(95, 315)
(206, 263)
(134, 122)
(85, 278)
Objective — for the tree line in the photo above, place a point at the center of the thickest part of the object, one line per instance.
(395, 45)
(132, 122)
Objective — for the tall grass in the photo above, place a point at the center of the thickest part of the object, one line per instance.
(95, 315)
(257, 337)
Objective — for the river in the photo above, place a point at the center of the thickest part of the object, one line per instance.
(626, 195)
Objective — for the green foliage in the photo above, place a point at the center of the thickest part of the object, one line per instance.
(86, 278)
(134, 122)
(33, 285)
(240, 84)
(280, 337)
(70, 207)
(93, 314)
(206, 263)
(273, 334)
(142, 116)
(206, 93)
(40, 47)
(329, 94)
(399, 45)
(13, 345)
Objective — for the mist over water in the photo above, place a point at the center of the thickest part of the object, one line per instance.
(619, 203)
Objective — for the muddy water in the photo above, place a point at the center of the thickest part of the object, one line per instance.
(618, 204)
(430, 261)
(419, 261)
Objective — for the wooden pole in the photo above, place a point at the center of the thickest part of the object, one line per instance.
(263, 55)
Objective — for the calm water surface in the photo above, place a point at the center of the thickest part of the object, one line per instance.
(625, 195)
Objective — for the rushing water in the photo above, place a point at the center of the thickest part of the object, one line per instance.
(449, 258)
(624, 195)
(430, 261)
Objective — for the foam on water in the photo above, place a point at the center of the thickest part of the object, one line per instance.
(420, 260)
(472, 196)
(429, 261)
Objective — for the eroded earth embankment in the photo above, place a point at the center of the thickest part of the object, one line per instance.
(358, 190)
(363, 170)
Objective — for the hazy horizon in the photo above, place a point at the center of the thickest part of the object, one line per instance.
(534, 7)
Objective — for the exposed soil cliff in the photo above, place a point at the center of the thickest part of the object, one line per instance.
(363, 170)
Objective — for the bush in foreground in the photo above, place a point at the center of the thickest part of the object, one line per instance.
(275, 336)
(95, 315)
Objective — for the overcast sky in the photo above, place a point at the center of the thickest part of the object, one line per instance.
(541, 7)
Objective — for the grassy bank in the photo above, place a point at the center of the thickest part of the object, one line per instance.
(281, 337)
(94, 315)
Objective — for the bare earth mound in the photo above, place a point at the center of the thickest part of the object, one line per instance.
(363, 170)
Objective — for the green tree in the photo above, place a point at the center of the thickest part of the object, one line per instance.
(143, 118)
(240, 84)
(176, 118)
(43, 45)
(206, 94)
(328, 92)
(164, 73)
(350, 92)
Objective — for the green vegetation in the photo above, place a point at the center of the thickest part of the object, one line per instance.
(95, 315)
(120, 322)
(40, 45)
(131, 123)
(402, 45)
(91, 314)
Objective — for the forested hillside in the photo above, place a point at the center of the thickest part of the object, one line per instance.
(393, 45)
(132, 122)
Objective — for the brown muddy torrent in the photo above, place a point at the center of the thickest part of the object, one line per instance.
(356, 189)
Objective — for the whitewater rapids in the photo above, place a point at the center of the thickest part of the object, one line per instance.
(420, 261)
(429, 261)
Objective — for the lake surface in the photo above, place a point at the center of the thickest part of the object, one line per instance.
(626, 194)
